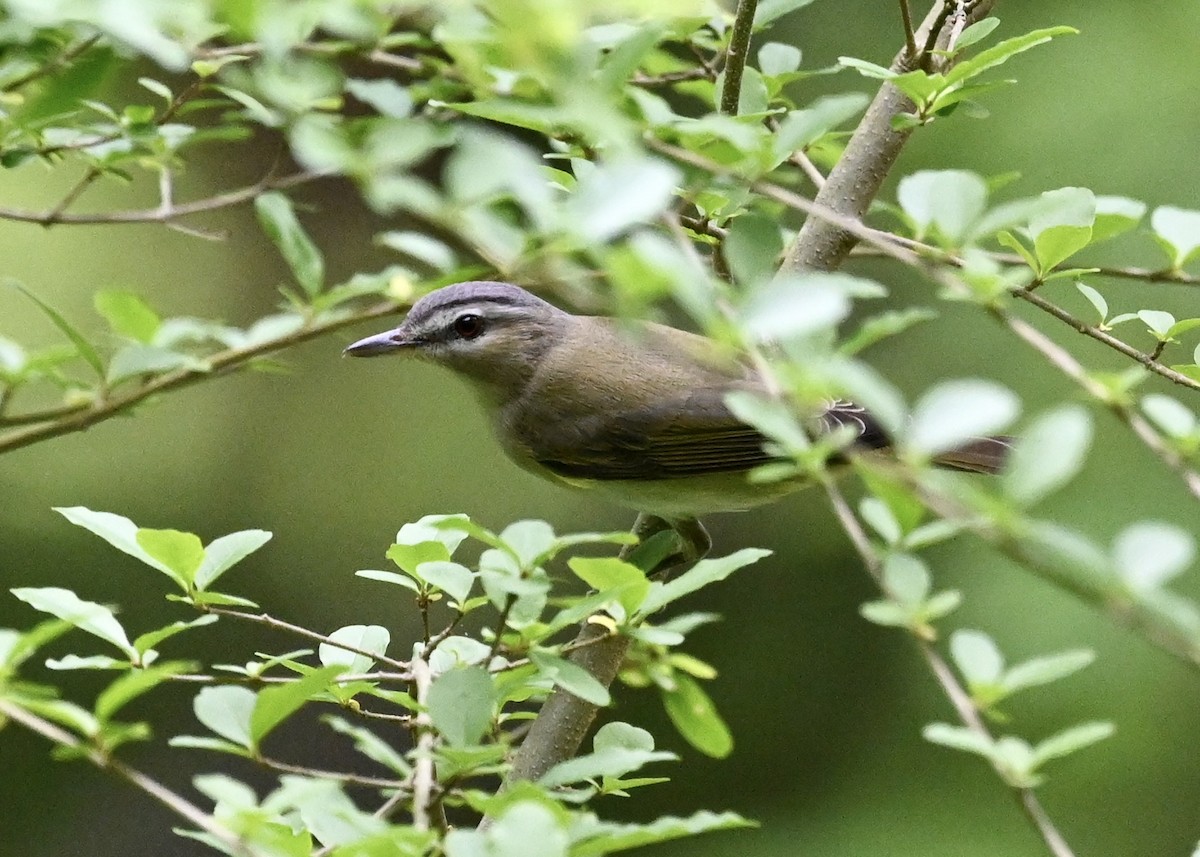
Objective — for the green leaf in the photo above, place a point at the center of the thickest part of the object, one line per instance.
(227, 551)
(226, 710)
(118, 531)
(1148, 554)
(529, 541)
(276, 703)
(801, 128)
(421, 247)
(278, 220)
(572, 678)
(1170, 415)
(696, 718)
(794, 306)
(1071, 740)
(977, 32)
(370, 745)
(524, 829)
(768, 11)
(411, 556)
(136, 361)
(1062, 225)
(85, 349)
(948, 202)
(700, 575)
(389, 577)
(95, 619)
(1178, 232)
(452, 578)
(181, 552)
(460, 704)
(610, 573)
(1007, 239)
(1002, 52)
(877, 513)
(958, 411)
(879, 327)
(619, 749)
(751, 246)
(1048, 454)
(146, 642)
(958, 738)
(127, 314)
(906, 579)
(606, 837)
(386, 96)
(1159, 322)
(1095, 299)
(977, 657)
(1044, 670)
(370, 638)
(888, 614)
(618, 195)
(133, 684)
(1115, 215)
(775, 58)
(771, 416)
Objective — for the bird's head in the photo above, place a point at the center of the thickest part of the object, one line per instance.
(493, 333)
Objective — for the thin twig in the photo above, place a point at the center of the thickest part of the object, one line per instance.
(958, 696)
(172, 801)
(1069, 366)
(899, 249)
(336, 776)
(510, 601)
(301, 631)
(423, 771)
(801, 159)
(161, 214)
(736, 56)
(79, 418)
(1150, 361)
(61, 61)
(910, 38)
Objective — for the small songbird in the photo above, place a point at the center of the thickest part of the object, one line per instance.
(634, 411)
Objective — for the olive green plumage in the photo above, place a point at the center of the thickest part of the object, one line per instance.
(634, 411)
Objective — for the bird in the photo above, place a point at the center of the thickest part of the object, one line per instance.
(633, 411)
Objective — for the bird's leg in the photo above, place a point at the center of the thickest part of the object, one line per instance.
(665, 545)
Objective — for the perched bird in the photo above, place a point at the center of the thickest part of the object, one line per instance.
(635, 412)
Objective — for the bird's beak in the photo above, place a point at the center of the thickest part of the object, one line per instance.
(381, 343)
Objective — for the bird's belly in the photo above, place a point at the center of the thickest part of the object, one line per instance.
(687, 497)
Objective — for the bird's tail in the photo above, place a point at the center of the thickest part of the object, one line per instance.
(985, 455)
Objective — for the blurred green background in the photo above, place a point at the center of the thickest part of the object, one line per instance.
(826, 708)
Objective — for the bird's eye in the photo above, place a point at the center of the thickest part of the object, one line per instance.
(468, 326)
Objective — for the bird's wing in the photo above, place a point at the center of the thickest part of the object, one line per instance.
(677, 438)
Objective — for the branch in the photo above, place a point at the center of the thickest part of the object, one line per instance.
(301, 631)
(424, 774)
(855, 180)
(1150, 361)
(172, 801)
(910, 38)
(565, 719)
(59, 62)
(736, 56)
(77, 419)
(1155, 622)
(959, 698)
(161, 213)
(1065, 362)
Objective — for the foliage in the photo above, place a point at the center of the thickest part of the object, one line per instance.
(554, 143)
